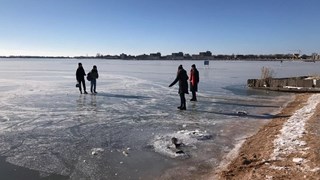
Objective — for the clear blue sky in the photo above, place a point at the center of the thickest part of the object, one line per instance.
(80, 27)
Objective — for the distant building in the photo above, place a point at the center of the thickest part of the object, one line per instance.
(178, 55)
(142, 57)
(205, 54)
(196, 57)
(123, 56)
(187, 56)
(155, 56)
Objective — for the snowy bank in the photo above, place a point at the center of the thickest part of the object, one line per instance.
(289, 140)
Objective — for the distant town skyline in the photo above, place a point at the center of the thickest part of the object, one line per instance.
(84, 27)
(207, 55)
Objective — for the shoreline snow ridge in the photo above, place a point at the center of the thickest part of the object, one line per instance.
(284, 148)
(290, 138)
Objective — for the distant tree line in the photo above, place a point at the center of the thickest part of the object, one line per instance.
(181, 56)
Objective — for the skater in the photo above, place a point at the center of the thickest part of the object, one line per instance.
(182, 77)
(80, 78)
(94, 76)
(194, 80)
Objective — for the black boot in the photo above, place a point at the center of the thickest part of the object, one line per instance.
(194, 98)
(183, 108)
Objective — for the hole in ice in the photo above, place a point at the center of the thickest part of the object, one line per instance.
(179, 144)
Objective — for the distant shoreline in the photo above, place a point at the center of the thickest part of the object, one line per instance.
(185, 56)
(204, 59)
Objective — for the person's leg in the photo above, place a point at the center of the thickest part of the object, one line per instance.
(84, 86)
(94, 86)
(180, 95)
(183, 101)
(192, 99)
(194, 96)
(79, 82)
(184, 107)
(91, 86)
(192, 91)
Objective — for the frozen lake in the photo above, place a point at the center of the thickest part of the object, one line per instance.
(125, 131)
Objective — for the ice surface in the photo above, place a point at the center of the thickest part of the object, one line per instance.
(46, 125)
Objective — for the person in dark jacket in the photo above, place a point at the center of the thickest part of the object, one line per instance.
(94, 77)
(182, 77)
(80, 78)
(194, 80)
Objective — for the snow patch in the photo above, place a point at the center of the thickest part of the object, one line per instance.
(289, 140)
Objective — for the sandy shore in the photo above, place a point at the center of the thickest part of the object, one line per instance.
(285, 148)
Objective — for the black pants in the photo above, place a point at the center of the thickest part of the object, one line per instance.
(182, 100)
(194, 96)
(83, 82)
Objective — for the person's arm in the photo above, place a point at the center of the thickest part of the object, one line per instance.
(78, 75)
(174, 82)
(198, 77)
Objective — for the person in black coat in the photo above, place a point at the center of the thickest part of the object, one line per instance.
(80, 78)
(182, 77)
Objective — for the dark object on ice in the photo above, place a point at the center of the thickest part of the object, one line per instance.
(194, 80)
(200, 136)
(242, 113)
(175, 142)
(204, 137)
(182, 77)
(180, 152)
(246, 161)
(80, 73)
(77, 85)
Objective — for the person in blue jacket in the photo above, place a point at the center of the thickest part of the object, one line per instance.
(94, 76)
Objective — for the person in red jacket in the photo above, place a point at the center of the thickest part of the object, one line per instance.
(194, 80)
